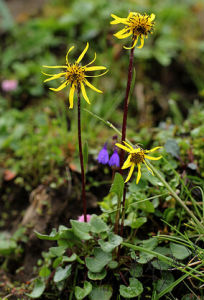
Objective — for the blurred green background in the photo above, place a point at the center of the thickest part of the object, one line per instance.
(38, 131)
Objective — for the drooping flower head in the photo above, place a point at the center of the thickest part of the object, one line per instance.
(81, 218)
(75, 75)
(136, 157)
(136, 24)
(103, 156)
(114, 159)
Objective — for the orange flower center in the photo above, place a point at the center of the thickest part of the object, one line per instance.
(75, 74)
(138, 157)
(140, 25)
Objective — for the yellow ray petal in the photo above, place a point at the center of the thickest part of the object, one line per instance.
(71, 96)
(84, 93)
(91, 62)
(54, 67)
(120, 37)
(152, 17)
(152, 150)
(130, 172)
(121, 32)
(152, 158)
(134, 44)
(96, 68)
(70, 49)
(92, 87)
(83, 53)
(142, 42)
(123, 147)
(118, 20)
(127, 163)
(62, 86)
(48, 74)
(128, 145)
(97, 75)
(148, 168)
(139, 173)
(54, 77)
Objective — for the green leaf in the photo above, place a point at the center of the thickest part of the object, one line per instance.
(44, 271)
(133, 290)
(81, 293)
(160, 265)
(113, 264)
(179, 251)
(57, 251)
(97, 276)
(62, 273)
(99, 261)
(166, 280)
(103, 292)
(81, 229)
(117, 185)
(138, 222)
(136, 270)
(7, 247)
(85, 154)
(97, 225)
(114, 240)
(52, 237)
(39, 288)
(71, 258)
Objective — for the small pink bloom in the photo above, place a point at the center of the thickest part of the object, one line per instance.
(81, 218)
(9, 85)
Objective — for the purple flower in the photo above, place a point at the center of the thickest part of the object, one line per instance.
(9, 85)
(81, 218)
(115, 159)
(103, 156)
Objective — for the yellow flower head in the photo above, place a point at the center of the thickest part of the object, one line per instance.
(137, 25)
(136, 156)
(75, 75)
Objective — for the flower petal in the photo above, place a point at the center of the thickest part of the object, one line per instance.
(84, 93)
(92, 87)
(121, 32)
(127, 163)
(152, 150)
(97, 75)
(91, 62)
(142, 42)
(54, 77)
(139, 173)
(95, 68)
(71, 96)
(152, 17)
(83, 53)
(118, 20)
(152, 158)
(62, 86)
(123, 147)
(130, 172)
(128, 145)
(70, 49)
(134, 44)
(54, 67)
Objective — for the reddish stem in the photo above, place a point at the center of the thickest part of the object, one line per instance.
(81, 156)
(125, 112)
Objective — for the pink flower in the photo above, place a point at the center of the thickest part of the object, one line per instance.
(81, 218)
(9, 85)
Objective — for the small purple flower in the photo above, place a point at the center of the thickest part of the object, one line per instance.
(115, 159)
(9, 85)
(103, 156)
(81, 218)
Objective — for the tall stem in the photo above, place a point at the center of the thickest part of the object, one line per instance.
(81, 156)
(125, 112)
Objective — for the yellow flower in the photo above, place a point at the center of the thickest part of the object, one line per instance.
(136, 156)
(137, 25)
(75, 75)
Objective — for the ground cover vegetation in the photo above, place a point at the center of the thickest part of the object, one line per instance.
(101, 161)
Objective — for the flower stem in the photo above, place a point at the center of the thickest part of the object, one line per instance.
(160, 177)
(125, 112)
(81, 155)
